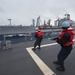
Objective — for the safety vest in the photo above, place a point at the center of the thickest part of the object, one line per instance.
(70, 41)
(39, 33)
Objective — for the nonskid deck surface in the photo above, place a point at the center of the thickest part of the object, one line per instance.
(21, 60)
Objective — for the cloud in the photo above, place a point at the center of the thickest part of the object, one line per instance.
(23, 11)
(2, 10)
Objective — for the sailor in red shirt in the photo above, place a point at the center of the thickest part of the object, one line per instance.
(39, 37)
(65, 39)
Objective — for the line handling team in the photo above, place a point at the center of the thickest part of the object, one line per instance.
(65, 39)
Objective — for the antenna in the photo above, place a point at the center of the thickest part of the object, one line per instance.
(9, 21)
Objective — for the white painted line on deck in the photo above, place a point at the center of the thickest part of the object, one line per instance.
(48, 44)
(43, 67)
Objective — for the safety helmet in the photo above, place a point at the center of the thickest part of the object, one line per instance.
(36, 28)
(65, 24)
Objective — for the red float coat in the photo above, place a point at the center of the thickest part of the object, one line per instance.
(39, 33)
(70, 41)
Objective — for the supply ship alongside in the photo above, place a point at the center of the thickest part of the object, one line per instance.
(18, 58)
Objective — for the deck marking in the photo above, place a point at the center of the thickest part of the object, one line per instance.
(43, 67)
(48, 44)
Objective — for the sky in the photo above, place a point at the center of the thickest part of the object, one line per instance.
(21, 12)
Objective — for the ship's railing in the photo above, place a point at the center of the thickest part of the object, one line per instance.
(28, 36)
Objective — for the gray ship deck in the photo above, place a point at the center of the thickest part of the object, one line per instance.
(20, 61)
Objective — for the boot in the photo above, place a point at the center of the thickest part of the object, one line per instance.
(38, 48)
(33, 48)
(61, 68)
(56, 62)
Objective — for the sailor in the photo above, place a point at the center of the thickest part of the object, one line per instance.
(65, 40)
(39, 37)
